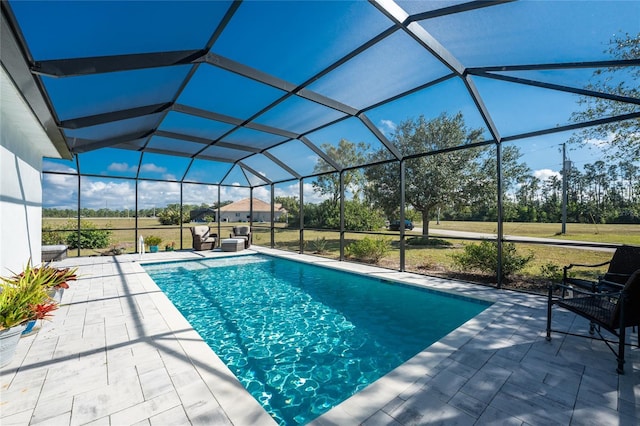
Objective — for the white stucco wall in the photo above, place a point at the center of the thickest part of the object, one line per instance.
(20, 201)
(23, 143)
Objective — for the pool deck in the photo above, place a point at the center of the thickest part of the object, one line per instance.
(118, 352)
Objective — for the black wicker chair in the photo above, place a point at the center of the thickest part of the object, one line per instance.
(612, 311)
(624, 262)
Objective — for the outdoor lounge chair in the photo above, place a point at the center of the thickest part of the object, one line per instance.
(203, 238)
(624, 262)
(613, 311)
(242, 232)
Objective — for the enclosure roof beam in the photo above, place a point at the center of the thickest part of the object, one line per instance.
(87, 145)
(557, 66)
(418, 33)
(238, 147)
(381, 137)
(103, 64)
(320, 153)
(218, 159)
(94, 120)
(281, 164)
(482, 108)
(562, 88)
(575, 126)
(186, 109)
(254, 172)
(450, 10)
(167, 152)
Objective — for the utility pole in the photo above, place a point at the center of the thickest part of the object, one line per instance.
(566, 166)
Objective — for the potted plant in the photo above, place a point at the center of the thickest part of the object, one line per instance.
(152, 241)
(23, 298)
(170, 247)
(55, 280)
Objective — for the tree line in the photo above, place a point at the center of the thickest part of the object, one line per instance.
(462, 184)
(167, 215)
(600, 193)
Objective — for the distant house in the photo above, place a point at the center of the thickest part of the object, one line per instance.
(239, 211)
(202, 214)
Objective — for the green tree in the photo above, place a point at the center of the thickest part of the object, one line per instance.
(292, 206)
(482, 188)
(431, 181)
(622, 137)
(345, 154)
(171, 215)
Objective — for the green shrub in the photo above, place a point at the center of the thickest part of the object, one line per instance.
(52, 236)
(90, 236)
(152, 240)
(484, 257)
(319, 245)
(368, 249)
(551, 272)
(171, 216)
(427, 241)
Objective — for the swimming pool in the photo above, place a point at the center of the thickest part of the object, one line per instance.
(302, 338)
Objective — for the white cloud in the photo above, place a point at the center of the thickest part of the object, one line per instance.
(198, 194)
(262, 193)
(119, 194)
(152, 168)
(292, 190)
(114, 195)
(601, 143)
(311, 196)
(56, 167)
(121, 167)
(233, 193)
(169, 176)
(388, 126)
(60, 191)
(544, 174)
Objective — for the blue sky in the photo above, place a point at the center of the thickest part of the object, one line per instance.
(292, 42)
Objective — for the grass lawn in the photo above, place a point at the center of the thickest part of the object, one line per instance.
(428, 258)
(620, 234)
(423, 259)
(123, 233)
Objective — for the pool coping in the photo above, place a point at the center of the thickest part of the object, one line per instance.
(238, 404)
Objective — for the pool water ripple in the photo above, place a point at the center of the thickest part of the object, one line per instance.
(301, 339)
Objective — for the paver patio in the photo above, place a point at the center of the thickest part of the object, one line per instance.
(117, 352)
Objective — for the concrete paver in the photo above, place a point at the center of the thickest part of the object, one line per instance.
(118, 352)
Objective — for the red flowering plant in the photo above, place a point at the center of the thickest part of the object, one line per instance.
(43, 310)
(26, 296)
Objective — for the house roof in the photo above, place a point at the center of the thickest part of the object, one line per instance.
(244, 206)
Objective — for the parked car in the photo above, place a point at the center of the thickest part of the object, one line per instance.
(395, 225)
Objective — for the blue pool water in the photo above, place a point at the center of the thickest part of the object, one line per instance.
(302, 338)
